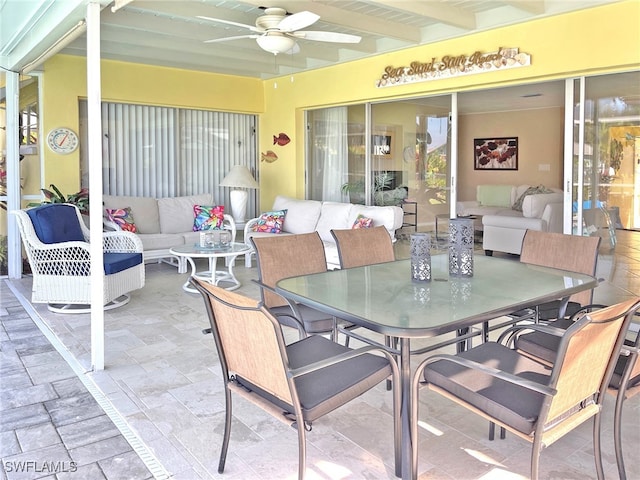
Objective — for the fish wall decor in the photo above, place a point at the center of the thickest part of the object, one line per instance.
(268, 157)
(281, 139)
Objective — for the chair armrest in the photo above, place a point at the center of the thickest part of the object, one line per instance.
(295, 313)
(248, 227)
(507, 377)
(121, 242)
(110, 226)
(512, 332)
(228, 223)
(327, 362)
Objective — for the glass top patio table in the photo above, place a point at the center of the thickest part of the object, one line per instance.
(383, 298)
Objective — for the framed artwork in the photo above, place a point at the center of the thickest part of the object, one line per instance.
(495, 153)
(382, 144)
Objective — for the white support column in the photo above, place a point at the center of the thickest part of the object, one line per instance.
(14, 262)
(94, 98)
(453, 160)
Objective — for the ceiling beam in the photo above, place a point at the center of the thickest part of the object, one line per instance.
(439, 12)
(535, 7)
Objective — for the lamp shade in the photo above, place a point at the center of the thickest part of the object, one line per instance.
(239, 177)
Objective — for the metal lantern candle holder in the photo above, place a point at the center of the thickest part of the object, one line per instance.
(421, 257)
(461, 247)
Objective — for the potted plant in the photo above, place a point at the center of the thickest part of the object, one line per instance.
(79, 199)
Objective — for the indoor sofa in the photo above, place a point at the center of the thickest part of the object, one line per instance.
(305, 216)
(508, 211)
(163, 223)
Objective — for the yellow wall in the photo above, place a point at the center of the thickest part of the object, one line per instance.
(596, 40)
(64, 83)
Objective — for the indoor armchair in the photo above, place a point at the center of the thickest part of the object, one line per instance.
(56, 241)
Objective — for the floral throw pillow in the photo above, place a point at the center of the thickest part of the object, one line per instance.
(270, 222)
(363, 222)
(123, 218)
(207, 217)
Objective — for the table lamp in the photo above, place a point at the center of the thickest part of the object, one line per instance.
(239, 178)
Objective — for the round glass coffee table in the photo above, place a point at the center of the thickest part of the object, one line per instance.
(213, 276)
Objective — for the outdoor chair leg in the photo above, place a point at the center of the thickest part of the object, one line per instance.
(227, 430)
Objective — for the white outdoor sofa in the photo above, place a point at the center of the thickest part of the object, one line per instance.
(306, 216)
(163, 223)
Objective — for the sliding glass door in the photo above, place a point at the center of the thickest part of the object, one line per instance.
(604, 162)
(394, 153)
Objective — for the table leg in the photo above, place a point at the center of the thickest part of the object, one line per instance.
(215, 276)
(187, 286)
(405, 412)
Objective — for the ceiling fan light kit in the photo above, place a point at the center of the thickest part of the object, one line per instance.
(276, 31)
(276, 42)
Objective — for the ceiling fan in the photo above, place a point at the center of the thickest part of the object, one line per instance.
(276, 31)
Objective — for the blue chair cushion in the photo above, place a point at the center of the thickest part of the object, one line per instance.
(117, 262)
(55, 223)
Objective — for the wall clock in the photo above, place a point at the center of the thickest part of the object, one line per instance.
(62, 140)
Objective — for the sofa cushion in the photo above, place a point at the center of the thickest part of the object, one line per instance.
(513, 221)
(207, 217)
(161, 241)
(176, 213)
(495, 195)
(530, 191)
(118, 262)
(56, 223)
(533, 205)
(333, 215)
(331, 254)
(302, 215)
(390, 217)
(143, 209)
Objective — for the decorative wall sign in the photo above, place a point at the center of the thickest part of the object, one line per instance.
(495, 153)
(453, 66)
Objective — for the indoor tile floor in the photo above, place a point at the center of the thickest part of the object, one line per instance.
(161, 388)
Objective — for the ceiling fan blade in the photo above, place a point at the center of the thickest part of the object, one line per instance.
(226, 39)
(229, 22)
(327, 36)
(297, 21)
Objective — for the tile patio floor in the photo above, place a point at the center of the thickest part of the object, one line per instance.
(161, 386)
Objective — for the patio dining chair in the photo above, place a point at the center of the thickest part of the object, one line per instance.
(363, 246)
(285, 256)
(523, 395)
(296, 383)
(56, 241)
(358, 247)
(567, 252)
(625, 381)
(555, 250)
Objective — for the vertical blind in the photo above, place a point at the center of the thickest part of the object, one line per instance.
(166, 152)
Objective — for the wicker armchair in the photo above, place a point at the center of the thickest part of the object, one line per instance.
(56, 241)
